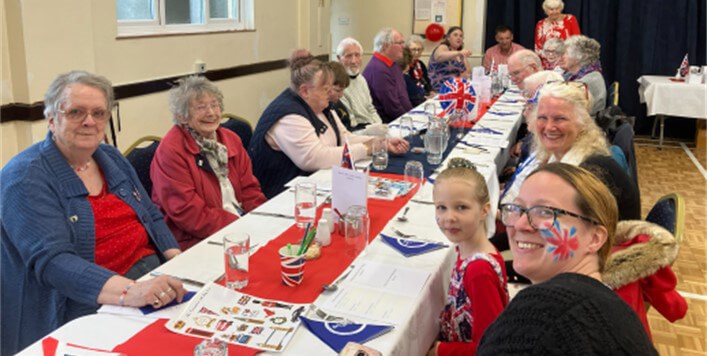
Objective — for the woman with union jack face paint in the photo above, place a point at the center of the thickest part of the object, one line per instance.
(561, 227)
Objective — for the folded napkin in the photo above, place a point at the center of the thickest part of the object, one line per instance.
(409, 248)
(501, 113)
(149, 309)
(336, 334)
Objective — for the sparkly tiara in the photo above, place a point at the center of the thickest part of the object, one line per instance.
(459, 162)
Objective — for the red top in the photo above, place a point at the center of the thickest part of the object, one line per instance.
(121, 240)
(562, 29)
(657, 289)
(487, 296)
(383, 58)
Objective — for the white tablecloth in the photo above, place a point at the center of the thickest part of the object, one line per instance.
(413, 336)
(665, 97)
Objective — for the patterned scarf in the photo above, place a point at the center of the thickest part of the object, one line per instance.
(594, 67)
(215, 152)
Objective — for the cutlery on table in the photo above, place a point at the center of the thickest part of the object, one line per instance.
(275, 215)
(403, 218)
(334, 286)
(184, 280)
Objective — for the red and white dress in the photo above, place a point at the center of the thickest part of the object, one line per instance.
(478, 293)
(563, 29)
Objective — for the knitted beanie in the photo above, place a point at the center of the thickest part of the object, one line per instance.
(570, 314)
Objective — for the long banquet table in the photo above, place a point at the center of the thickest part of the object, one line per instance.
(415, 329)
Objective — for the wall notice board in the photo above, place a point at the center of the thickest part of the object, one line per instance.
(444, 12)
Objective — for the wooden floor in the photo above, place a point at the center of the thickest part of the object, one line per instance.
(672, 170)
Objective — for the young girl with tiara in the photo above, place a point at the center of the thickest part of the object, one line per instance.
(478, 286)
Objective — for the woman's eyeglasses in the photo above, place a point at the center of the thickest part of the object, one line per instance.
(203, 108)
(540, 217)
(76, 114)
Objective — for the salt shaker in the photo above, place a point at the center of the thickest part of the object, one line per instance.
(323, 233)
(326, 213)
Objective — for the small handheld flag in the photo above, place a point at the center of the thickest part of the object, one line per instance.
(346, 161)
(684, 67)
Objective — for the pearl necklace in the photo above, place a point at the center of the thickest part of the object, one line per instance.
(82, 168)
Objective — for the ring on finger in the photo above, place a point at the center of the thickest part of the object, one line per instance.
(169, 289)
(162, 294)
(156, 302)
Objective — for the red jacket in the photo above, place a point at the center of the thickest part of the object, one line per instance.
(638, 269)
(189, 195)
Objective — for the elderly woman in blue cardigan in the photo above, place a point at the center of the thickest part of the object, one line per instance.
(77, 226)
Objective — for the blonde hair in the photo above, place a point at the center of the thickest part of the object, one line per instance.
(462, 168)
(593, 199)
(590, 138)
(553, 4)
(304, 68)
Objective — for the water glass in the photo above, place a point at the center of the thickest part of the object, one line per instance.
(379, 150)
(356, 228)
(407, 127)
(305, 203)
(211, 347)
(434, 146)
(414, 173)
(431, 108)
(236, 252)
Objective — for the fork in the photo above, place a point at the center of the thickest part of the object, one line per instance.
(326, 316)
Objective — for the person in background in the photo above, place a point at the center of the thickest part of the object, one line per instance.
(357, 97)
(418, 69)
(416, 92)
(561, 228)
(555, 25)
(448, 59)
(298, 134)
(341, 82)
(478, 286)
(201, 173)
(385, 78)
(553, 49)
(581, 63)
(521, 64)
(77, 226)
(504, 48)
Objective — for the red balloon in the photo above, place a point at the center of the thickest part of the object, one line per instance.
(434, 32)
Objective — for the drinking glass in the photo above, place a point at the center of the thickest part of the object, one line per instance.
(379, 150)
(434, 146)
(431, 108)
(407, 127)
(356, 226)
(305, 203)
(414, 174)
(236, 252)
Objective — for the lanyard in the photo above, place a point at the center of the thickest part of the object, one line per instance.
(520, 168)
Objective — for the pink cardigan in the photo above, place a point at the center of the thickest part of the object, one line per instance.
(189, 195)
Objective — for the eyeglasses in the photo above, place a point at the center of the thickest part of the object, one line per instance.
(516, 72)
(203, 108)
(76, 114)
(540, 217)
(415, 49)
(399, 43)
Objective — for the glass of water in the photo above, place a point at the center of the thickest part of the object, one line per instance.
(414, 174)
(356, 229)
(379, 150)
(236, 252)
(434, 146)
(305, 203)
(407, 127)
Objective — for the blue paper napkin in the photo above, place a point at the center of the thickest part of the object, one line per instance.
(336, 334)
(149, 309)
(501, 113)
(408, 247)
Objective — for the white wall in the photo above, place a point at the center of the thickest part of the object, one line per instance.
(52, 37)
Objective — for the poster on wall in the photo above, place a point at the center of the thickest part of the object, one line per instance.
(443, 12)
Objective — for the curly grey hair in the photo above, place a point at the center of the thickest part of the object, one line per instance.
(346, 42)
(383, 39)
(553, 4)
(187, 89)
(554, 44)
(55, 95)
(417, 39)
(584, 49)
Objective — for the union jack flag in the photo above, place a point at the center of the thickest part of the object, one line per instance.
(564, 241)
(457, 96)
(346, 161)
(684, 67)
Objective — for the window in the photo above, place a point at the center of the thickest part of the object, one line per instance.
(150, 17)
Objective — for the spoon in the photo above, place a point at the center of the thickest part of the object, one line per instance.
(334, 286)
(403, 218)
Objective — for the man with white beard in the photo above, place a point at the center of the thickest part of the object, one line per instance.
(357, 97)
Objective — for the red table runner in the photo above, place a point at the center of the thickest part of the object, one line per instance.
(264, 280)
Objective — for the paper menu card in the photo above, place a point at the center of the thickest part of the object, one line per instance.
(349, 188)
(378, 292)
(237, 318)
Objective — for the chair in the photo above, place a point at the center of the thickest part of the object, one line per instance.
(623, 138)
(614, 93)
(669, 212)
(240, 126)
(141, 159)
